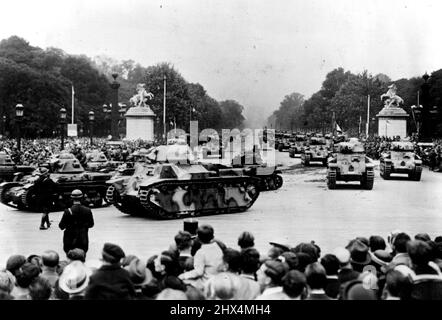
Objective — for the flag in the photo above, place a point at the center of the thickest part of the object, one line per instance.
(338, 128)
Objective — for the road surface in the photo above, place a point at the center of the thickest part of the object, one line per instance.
(302, 210)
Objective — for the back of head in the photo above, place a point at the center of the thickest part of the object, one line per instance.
(205, 233)
(7, 281)
(14, 263)
(220, 287)
(330, 264)
(308, 248)
(276, 270)
(250, 261)
(232, 258)
(294, 283)
(183, 240)
(171, 294)
(400, 242)
(376, 243)
(422, 236)
(316, 277)
(355, 290)
(76, 254)
(397, 284)
(420, 252)
(246, 240)
(50, 259)
(193, 293)
(40, 289)
(26, 274)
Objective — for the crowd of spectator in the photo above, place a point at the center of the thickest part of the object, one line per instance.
(202, 267)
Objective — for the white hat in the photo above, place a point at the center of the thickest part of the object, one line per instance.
(342, 254)
(75, 277)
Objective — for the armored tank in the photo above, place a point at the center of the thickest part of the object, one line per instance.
(296, 146)
(176, 190)
(350, 163)
(68, 174)
(9, 170)
(401, 158)
(96, 161)
(316, 150)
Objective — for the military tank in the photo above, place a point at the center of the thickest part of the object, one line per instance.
(401, 158)
(68, 174)
(175, 191)
(350, 163)
(9, 170)
(315, 151)
(296, 146)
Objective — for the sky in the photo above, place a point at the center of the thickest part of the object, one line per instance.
(252, 51)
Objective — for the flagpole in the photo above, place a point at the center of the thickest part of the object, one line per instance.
(73, 94)
(164, 109)
(368, 117)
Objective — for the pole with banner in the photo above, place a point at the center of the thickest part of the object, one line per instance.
(368, 117)
(72, 104)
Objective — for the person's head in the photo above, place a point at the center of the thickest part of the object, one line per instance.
(246, 240)
(26, 274)
(422, 236)
(220, 287)
(76, 254)
(438, 239)
(205, 234)
(232, 260)
(308, 248)
(169, 260)
(290, 258)
(40, 289)
(316, 276)
(376, 243)
(274, 252)
(420, 253)
(76, 195)
(75, 278)
(294, 283)
(397, 284)
(250, 261)
(138, 272)
(7, 281)
(14, 263)
(171, 294)
(400, 242)
(183, 240)
(193, 293)
(50, 259)
(271, 272)
(112, 253)
(330, 264)
(343, 256)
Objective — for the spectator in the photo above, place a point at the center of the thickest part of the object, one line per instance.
(184, 242)
(40, 289)
(309, 248)
(50, 262)
(206, 261)
(74, 280)
(294, 285)
(400, 255)
(140, 276)
(270, 276)
(14, 263)
(331, 266)
(346, 272)
(316, 281)
(171, 294)
(246, 240)
(423, 237)
(7, 281)
(397, 286)
(355, 290)
(420, 254)
(376, 243)
(24, 277)
(359, 255)
(111, 281)
(76, 254)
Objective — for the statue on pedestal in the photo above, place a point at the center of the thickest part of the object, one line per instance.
(391, 99)
(140, 99)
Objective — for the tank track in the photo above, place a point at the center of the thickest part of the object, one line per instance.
(250, 184)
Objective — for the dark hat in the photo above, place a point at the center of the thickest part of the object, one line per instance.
(27, 273)
(383, 255)
(191, 225)
(355, 290)
(422, 236)
(280, 244)
(276, 270)
(15, 262)
(43, 170)
(310, 248)
(138, 272)
(359, 253)
(290, 258)
(112, 253)
(76, 194)
(77, 254)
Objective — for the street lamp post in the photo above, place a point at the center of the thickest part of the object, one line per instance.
(91, 124)
(164, 108)
(114, 111)
(62, 126)
(19, 116)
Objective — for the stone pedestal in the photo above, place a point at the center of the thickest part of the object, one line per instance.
(140, 123)
(392, 122)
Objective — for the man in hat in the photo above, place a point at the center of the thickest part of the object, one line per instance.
(270, 276)
(76, 221)
(110, 281)
(45, 188)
